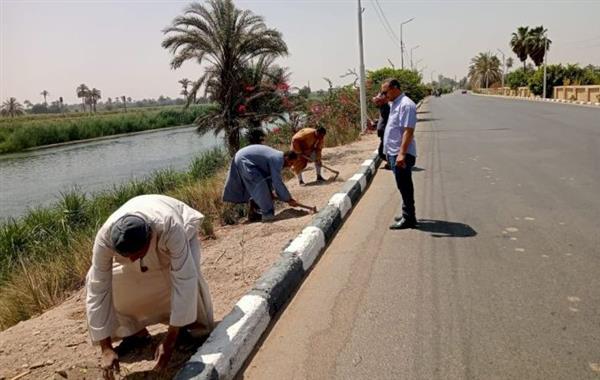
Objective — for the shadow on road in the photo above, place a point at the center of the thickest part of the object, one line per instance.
(442, 228)
(417, 169)
(427, 119)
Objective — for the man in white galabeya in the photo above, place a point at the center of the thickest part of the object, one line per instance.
(401, 149)
(146, 270)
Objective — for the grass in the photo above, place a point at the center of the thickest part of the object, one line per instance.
(45, 254)
(19, 135)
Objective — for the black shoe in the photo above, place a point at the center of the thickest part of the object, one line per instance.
(387, 166)
(403, 224)
(301, 183)
(320, 179)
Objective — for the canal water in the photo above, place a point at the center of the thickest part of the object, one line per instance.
(37, 178)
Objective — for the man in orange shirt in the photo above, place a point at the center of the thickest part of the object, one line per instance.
(308, 144)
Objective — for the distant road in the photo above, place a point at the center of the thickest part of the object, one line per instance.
(502, 279)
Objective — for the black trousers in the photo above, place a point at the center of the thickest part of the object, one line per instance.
(405, 185)
(380, 134)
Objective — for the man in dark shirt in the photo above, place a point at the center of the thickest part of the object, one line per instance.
(384, 112)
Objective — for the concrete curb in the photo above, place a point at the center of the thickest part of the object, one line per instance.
(563, 101)
(232, 341)
(228, 346)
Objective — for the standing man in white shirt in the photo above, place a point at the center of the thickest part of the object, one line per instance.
(146, 270)
(401, 149)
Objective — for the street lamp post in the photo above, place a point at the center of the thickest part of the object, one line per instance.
(363, 89)
(411, 56)
(545, 62)
(402, 41)
(503, 67)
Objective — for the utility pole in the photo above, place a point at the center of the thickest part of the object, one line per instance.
(545, 62)
(503, 67)
(411, 56)
(402, 41)
(363, 89)
(431, 75)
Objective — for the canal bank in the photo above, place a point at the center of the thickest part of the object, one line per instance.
(36, 178)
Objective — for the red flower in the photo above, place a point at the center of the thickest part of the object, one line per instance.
(283, 86)
(249, 88)
(276, 130)
(241, 108)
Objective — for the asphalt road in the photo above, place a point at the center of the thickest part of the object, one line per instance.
(502, 279)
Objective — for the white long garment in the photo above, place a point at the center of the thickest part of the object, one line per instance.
(121, 299)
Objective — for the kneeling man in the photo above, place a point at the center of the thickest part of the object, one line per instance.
(146, 270)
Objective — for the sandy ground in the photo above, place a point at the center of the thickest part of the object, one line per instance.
(55, 345)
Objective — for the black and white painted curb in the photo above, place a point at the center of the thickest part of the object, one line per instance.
(228, 346)
(232, 341)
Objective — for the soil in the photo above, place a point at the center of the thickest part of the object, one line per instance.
(56, 345)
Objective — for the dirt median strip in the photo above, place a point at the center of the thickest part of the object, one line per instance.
(228, 346)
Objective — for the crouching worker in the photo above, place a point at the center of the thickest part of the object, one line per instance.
(307, 143)
(146, 270)
(254, 174)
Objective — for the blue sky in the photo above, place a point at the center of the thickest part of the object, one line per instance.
(115, 45)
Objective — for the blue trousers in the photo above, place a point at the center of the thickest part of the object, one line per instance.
(405, 184)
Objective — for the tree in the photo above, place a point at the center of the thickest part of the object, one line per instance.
(184, 84)
(45, 94)
(519, 43)
(484, 68)
(28, 104)
(265, 93)
(226, 39)
(124, 100)
(94, 95)
(11, 108)
(537, 42)
(518, 78)
(509, 62)
(83, 92)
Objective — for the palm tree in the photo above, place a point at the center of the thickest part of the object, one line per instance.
(61, 103)
(227, 39)
(11, 108)
(537, 42)
(509, 62)
(83, 93)
(185, 83)
(520, 44)
(484, 68)
(124, 99)
(95, 95)
(266, 92)
(45, 94)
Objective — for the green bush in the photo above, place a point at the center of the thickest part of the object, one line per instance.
(518, 78)
(19, 134)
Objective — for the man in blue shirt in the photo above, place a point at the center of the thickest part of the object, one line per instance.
(401, 149)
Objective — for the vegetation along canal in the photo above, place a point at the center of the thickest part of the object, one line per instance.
(37, 178)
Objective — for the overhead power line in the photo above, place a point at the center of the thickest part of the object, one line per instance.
(384, 22)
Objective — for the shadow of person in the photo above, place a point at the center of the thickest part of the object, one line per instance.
(427, 119)
(442, 228)
(290, 213)
(417, 169)
(422, 112)
(185, 347)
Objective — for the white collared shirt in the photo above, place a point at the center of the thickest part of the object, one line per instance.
(403, 114)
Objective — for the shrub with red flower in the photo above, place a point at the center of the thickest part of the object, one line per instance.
(241, 108)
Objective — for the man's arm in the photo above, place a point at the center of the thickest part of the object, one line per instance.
(99, 307)
(408, 119)
(184, 288)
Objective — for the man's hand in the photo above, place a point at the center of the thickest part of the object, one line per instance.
(109, 363)
(401, 161)
(163, 352)
(162, 355)
(292, 202)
